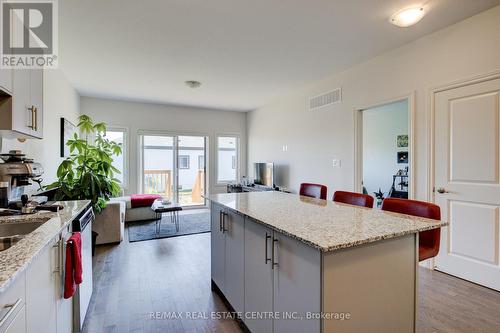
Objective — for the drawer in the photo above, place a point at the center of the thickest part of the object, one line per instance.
(12, 301)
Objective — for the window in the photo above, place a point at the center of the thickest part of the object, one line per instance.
(201, 162)
(227, 159)
(119, 162)
(183, 161)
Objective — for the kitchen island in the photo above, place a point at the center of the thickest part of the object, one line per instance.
(286, 263)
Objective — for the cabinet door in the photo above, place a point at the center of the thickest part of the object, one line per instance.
(6, 80)
(297, 285)
(234, 280)
(64, 310)
(41, 293)
(18, 325)
(22, 116)
(217, 246)
(258, 276)
(36, 88)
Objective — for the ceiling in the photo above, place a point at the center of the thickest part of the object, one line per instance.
(244, 52)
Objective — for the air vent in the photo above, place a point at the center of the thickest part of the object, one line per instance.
(325, 99)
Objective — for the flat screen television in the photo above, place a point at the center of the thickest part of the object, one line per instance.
(264, 174)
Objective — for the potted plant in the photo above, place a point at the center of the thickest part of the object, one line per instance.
(88, 172)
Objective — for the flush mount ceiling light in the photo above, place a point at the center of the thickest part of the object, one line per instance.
(407, 17)
(193, 84)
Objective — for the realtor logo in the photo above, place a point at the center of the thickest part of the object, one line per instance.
(28, 33)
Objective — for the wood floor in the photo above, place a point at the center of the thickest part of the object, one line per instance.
(133, 280)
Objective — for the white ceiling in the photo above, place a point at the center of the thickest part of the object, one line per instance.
(244, 52)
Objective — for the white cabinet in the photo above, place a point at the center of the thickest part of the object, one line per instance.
(234, 273)
(227, 254)
(297, 284)
(6, 80)
(18, 325)
(36, 94)
(22, 114)
(258, 276)
(46, 309)
(12, 307)
(259, 271)
(218, 246)
(41, 292)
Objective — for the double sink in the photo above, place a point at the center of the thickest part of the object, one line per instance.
(12, 232)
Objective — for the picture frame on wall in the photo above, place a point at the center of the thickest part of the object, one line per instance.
(68, 129)
(402, 157)
(402, 141)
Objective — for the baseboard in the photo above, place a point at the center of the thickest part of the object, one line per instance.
(240, 322)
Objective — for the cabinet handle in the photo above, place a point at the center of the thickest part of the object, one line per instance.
(224, 214)
(30, 120)
(35, 119)
(266, 252)
(220, 220)
(59, 257)
(274, 263)
(9, 313)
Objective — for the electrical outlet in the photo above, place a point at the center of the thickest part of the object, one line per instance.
(336, 163)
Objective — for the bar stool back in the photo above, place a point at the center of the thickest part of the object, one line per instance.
(428, 246)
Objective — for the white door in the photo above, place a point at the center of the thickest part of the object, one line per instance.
(234, 288)
(297, 285)
(467, 181)
(258, 277)
(41, 292)
(217, 246)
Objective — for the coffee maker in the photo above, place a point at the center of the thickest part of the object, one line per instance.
(18, 172)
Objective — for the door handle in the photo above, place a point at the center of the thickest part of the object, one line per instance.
(442, 190)
(266, 249)
(12, 308)
(273, 262)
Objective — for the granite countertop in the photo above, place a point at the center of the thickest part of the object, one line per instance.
(17, 258)
(323, 224)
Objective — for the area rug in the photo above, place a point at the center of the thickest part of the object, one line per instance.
(188, 224)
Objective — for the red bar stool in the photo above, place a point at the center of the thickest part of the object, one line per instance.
(317, 191)
(428, 245)
(352, 198)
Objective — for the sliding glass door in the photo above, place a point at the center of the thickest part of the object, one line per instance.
(174, 167)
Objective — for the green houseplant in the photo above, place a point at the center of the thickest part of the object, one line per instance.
(88, 172)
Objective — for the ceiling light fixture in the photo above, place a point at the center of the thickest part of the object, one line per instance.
(193, 84)
(407, 17)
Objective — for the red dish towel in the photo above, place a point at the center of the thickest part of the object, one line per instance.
(73, 266)
(143, 200)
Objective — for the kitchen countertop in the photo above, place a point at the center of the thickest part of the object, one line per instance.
(325, 225)
(17, 258)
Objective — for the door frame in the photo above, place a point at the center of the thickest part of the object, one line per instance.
(431, 183)
(175, 135)
(358, 140)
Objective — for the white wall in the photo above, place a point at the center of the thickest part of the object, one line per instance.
(464, 50)
(381, 126)
(168, 119)
(59, 100)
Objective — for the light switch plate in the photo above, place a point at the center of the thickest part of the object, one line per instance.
(336, 163)
(285, 148)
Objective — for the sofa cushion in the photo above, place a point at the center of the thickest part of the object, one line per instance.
(143, 200)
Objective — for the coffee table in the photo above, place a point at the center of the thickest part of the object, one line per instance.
(159, 208)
